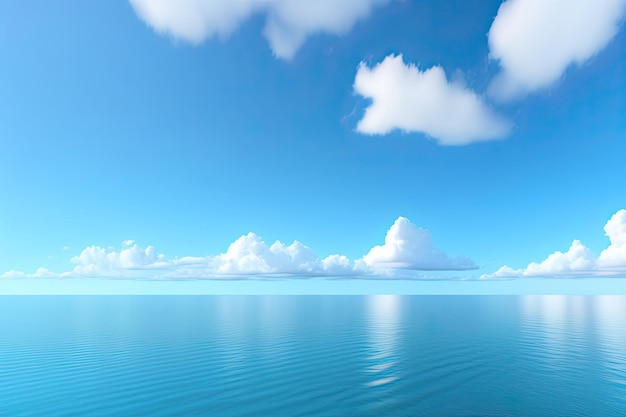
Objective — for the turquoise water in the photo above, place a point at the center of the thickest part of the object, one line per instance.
(313, 356)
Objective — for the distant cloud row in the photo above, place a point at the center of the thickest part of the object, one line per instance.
(407, 249)
(579, 261)
(534, 42)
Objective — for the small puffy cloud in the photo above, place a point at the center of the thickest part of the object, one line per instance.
(287, 22)
(44, 273)
(535, 41)
(410, 247)
(250, 255)
(39, 273)
(579, 260)
(98, 261)
(405, 98)
(13, 274)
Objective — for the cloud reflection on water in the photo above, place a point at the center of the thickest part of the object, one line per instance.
(610, 319)
(384, 316)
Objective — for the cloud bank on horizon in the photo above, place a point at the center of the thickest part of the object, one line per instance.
(579, 261)
(407, 249)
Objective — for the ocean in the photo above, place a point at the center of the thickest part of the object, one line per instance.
(312, 356)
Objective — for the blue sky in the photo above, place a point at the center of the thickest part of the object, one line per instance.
(186, 129)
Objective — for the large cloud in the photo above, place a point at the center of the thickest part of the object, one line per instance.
(410, 247)
(287, 24)
(407, 248)
(615, 255)
(405, 98)
(579, 260)
(535, 41)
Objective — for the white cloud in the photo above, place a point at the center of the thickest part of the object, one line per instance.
(405, 98)
(615, 255)
(410, 247)
(249, 255)
(579, 260)
(407, 248)
(39, 273)
(44, 273)
(98, 261)
(535, 41)
(287, 24)
(13, 274)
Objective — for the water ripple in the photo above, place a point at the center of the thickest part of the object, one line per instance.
(313, 356)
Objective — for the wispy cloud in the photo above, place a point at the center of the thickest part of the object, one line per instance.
(405, 98)
(535, 41)
(407, 249)
(579, 260)
(288, 23)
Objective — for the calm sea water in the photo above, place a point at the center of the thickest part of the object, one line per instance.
(313, 356)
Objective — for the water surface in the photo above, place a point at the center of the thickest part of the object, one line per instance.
(313, 356)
